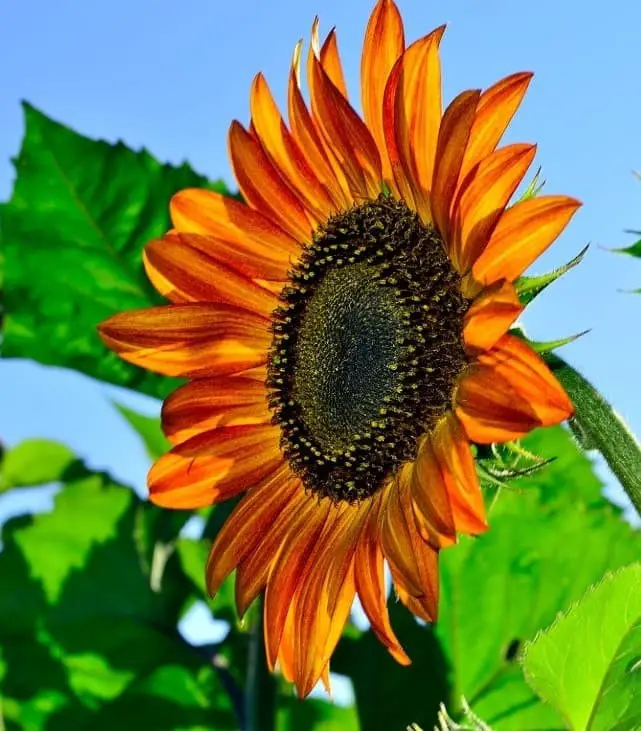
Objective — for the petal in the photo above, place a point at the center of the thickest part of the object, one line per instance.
(510, 393)
(287, 157)
(331, 62)
(207, 403)
(412, 116)
(253, 572)
(497, 106)
(262, 186)
(384, 43)
(414, 563)
(453, 137)
(491, 315)
(430, 496)
(242, 533)
(345, 134)
(214, 466)
(370, 585)
(186, 273)
(522, 234)
(190, 340)
(484, 199)
(248, 241)
(456, 461)
(310, 142)
(289, 568)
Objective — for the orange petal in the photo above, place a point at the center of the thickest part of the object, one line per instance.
(288, 159)
(207, 403)
(491, 315)
(412, 115)
(243, 531)
(331, 62)
(262, 186)
(483, 201)
(370, 585)
(511, 392)
(454, 455)
(384, 43)
(430, 496)
(453, 137)
(311, 144)
(496, 107)
(184, 273)
(412, 560)
(289, 568)
(522, 234)
(190, 340)
(345, 134)
(253, 572)
(214, 466)
(248, 241)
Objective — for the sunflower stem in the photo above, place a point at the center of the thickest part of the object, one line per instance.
(603, 428)
(260, 688)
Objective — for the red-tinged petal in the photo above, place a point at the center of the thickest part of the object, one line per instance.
(184, 273)
(331, 62)
(311, 144)
(412, 116)
(482, 202)
(454, 455)
(522, 234)
(290, 567)
(413, 561)
(214, 466)
(384, 43)
(242, 533)
(253, 572)
(524, 389)
(262, 186)
(285, 154)
(431, 497)
(369, 578)
(490, 316)
(497, 106)
(190, 340)
(244, 239)
(453, 137)
(345, 134)
(208, 403)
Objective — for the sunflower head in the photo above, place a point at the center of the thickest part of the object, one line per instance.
(345, 336)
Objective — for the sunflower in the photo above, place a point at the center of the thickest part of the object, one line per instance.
(344, 333)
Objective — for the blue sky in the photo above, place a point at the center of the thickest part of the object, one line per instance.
(170, 76)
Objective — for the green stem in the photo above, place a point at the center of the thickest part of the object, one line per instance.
(601, 428)
(260, 689)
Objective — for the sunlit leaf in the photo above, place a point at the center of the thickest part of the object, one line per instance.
(72, 237)
(588, 663)
(33, 463)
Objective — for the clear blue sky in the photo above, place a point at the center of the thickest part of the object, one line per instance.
(170, 76)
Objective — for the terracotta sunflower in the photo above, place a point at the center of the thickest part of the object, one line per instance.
(344, 333)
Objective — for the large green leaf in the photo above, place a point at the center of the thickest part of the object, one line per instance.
(315, 715)
(86, 640)
(34, 462)
(588, 664)
(72, 236)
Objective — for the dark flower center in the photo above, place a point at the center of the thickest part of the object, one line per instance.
(367, 348)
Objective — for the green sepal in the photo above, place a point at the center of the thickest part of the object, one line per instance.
(527, 288)
(533, 188)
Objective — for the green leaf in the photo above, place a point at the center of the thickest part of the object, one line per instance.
(81, 623)
(633, 250)
(33, 463)
(297, 715)
(72, 235)
(588, 663)
(602, 428)
(549, 345)
(528, 288)
(552, 534)
(148, 429)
